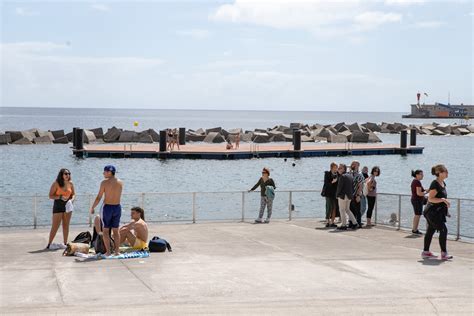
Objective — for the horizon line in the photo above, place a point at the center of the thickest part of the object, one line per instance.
(245, 110)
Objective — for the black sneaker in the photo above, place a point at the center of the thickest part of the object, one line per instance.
(361, 225)
(342, 227)
(416, 232)
(333, 225)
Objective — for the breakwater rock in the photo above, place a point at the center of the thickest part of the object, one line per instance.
(332, 133)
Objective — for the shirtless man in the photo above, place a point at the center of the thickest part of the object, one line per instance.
(111, 187)
(135, 233)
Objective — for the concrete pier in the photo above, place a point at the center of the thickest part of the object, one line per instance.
(241, 269)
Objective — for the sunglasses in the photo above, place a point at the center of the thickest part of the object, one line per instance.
(67, 174)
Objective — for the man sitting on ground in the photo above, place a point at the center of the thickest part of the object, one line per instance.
(135, 233)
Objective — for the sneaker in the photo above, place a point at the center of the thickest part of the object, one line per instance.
(258, 220)
(416, 232)
(333, 225)
(445, 256)
(267, 221)
(342, 227)
(428, 254)
(361, 225)
(328, 225)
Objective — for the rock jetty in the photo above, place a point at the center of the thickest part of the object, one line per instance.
(332, 133)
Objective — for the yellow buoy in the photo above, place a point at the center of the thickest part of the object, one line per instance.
(135, 123)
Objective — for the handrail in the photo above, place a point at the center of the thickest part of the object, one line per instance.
(222, 192)
(306, 207)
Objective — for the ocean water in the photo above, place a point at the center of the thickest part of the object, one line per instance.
(29, 170)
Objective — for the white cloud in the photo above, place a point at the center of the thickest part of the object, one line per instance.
(46, 73)
(100, 7)
(373, 19)
(241, 64)
(25, 12)
(404, 2)
(197, 34)
(321, 17)
(428, 24)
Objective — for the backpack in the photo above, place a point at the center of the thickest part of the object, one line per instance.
(270, 192)
(99, 245)
(365, 188)
(84, 237)
(158, 244)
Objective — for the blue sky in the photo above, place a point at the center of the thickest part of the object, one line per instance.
(258, 55)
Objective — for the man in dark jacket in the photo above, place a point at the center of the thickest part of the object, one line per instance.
(344, 193)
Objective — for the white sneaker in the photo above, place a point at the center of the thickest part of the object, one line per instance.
(428, 254)
(258, 220)
(445, 256)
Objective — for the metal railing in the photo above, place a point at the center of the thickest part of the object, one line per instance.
(391, 209)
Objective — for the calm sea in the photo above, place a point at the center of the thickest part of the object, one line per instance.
(29, 170)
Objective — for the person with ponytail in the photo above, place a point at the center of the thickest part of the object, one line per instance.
(417, 199)
(436, 211)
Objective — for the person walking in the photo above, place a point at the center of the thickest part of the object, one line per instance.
(417, 199)
(267, 187)
(344, 193)
(111, 189)
(358, 185)
(436, 211)
(371, 193)
(329, 192)
(62, 192)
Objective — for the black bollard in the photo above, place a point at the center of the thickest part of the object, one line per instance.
(74, 137)
(293, 139)
(163, 141)
(403, 142)
(182, 136)
(79, 137)
(297, 140)
(403, 139)
(413, 137)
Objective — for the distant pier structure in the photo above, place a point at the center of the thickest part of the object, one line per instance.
(440, 110)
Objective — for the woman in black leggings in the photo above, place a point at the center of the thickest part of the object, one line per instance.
(436, 212)
(372, 193)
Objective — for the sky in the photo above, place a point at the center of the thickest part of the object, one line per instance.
(308, 55)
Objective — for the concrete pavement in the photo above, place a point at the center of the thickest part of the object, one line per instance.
(244, 269)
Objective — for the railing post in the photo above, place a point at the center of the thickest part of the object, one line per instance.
(35, 206)
(194, 207)
(458, 228)
(399, 211)
(89, 210)
(142, 202)
(290, 203)
(243, 206)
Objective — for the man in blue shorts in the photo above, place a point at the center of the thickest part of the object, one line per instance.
(111, 187)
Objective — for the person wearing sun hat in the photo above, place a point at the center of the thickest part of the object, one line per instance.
(111, 189)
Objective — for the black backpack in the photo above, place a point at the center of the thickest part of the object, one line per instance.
(99, 245)
(84, 237)
(158, 244)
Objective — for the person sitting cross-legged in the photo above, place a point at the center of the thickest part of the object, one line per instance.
(135, 233)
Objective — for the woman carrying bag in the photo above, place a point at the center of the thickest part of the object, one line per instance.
(435, 213)
(267, 194)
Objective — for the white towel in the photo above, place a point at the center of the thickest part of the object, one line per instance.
(69, 206)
